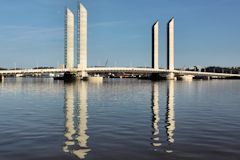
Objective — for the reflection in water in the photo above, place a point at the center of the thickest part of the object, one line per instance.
(76, 144)
(170, 121)
(69, 111)
(170, 117)
(82, 125)
(76, 135)
(123, 126)
(155, 115)
(2, 83)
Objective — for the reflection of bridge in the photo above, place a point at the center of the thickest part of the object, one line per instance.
(169, 118)
(116, 69)
(77, 134)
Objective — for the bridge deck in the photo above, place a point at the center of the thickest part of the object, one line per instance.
(116, 69)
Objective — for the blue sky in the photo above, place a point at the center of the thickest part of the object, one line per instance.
(206, 32)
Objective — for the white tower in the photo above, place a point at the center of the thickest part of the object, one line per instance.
(170, 48)
(69, 39)
(82, 39)
(155, 45)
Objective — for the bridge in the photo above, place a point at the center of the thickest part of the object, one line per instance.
(170, 72)
(131, 70)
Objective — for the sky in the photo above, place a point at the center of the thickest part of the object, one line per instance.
(206, 32)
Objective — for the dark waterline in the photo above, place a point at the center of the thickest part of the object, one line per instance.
(119, 119)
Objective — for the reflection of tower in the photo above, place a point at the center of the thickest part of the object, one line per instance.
(69, 112)
(170, 117)
(155, 113)
(82, 136)
(79, 141)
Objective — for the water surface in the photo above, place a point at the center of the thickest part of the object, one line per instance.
(119, 119)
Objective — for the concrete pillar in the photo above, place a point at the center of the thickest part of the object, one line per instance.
(155, 49)
(155, 45)
(69, 39)
(83, 75)
(82, 39)
(170, 76)
(170, 48)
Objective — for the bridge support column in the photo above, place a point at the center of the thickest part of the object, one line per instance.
(83, 75)
(170, 76)
(82, 40)
(155, 50)
(155, 46)
(170, 49)
(69, 39)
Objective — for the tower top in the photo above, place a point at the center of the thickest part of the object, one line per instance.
(171, 20)
(156, 23)
(82, 7)
(69, 11)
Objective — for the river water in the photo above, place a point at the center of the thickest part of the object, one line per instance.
(119, 119)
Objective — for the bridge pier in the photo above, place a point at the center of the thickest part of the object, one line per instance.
(170, 76)
(83, 75)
